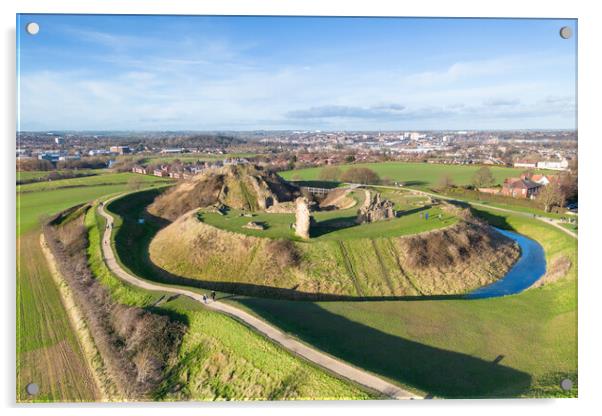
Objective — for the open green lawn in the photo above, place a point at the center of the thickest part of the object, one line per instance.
(421, 175)
(339, 224)
(521, 345)
(47, 350)
(221, 359)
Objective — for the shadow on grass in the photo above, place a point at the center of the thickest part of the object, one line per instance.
(414, 183)
(437, 371)
(317, 184)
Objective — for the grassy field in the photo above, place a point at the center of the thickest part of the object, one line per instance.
(96, 180)
(420, 175)
(47, 350)
(43, 174)
(40, 200)
(339, 224)
(221, 359)
(521, 345)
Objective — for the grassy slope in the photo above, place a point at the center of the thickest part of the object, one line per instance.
(221, 359)
(47, 350)
(447, 347)
(415, 174)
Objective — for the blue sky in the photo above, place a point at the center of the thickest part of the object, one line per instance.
(90, 72)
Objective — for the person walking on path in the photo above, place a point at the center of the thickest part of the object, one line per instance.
(204, 298)
(213, 295)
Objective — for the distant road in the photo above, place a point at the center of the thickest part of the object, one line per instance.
(311, 354)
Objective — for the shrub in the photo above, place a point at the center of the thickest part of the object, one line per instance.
(284, 253)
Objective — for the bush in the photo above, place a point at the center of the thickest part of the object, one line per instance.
(136, 345)
(284, 253)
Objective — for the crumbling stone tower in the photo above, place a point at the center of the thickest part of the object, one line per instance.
(302, 218)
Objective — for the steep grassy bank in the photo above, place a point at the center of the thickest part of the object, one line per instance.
(221, 359)
(449, 261)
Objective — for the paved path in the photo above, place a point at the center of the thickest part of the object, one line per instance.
(323, 360)
(478, 204)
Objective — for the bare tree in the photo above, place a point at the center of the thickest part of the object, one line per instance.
(330, 173)
(551, 196)
(360, 175)
(446, 181)
(135, 183)
(483, 178)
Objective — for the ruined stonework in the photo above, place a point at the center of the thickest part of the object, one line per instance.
(252, 225)
(302, 218)
(377, 210)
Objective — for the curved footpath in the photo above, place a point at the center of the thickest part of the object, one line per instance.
(313, 355)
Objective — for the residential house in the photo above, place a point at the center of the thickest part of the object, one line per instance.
(520, 188)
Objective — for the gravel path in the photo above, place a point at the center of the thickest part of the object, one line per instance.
(311, 354)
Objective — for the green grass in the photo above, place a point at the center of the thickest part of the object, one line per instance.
(515, 204)
(339, 224)
(421, 175)
(448, 347)
(96, 180)
(42, 200)
(221, 359)
(47, 349)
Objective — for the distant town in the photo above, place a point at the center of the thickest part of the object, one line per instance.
(551, 150)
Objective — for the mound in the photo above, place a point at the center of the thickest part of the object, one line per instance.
(453, 260)
(245, 187)
(338, 199)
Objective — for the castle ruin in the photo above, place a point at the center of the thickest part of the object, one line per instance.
(376, 210)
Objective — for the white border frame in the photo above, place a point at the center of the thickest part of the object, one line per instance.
(590, 151)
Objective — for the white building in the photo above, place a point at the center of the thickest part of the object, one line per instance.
(527, 164)
(553, 164)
